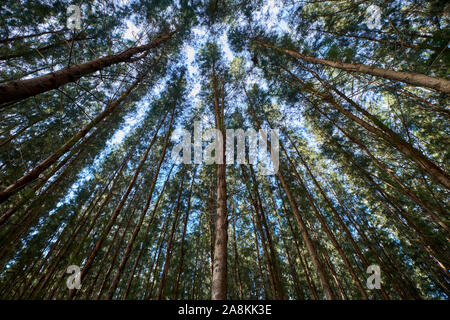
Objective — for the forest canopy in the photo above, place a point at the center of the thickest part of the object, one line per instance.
(349, 102)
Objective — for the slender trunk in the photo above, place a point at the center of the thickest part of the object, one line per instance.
(292, 269)
(304, 264)
(194, 274)
(137, 228)
(155, 260)
(274, 259)
(327, 229)
(156, 265)
(258, 258)
(170, 241)
(112, 260)
(271, 258)
(264, 247)
(303, 230)
(236, 257)
(106, 258)
(147, 236)
(219, 279)
(335, 277)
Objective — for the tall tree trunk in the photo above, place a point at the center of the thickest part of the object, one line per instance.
(107, 258)
(292, 269)
(258, 258)
(236, 256)
(303, 230)
(415, 79)
(17, 90)
(50, 160)
(155, 261)
(304, 265)
(258, 229)
(170, 241)
(272, 259)
(147, 235)
(112, 260)
(327, 229)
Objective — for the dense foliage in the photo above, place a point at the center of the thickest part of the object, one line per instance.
(87, 176)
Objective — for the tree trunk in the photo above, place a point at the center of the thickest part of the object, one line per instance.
(186, 220)
(219, 280)
(170, 241)
(236, 256)
(137, 228)
(415, 79)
